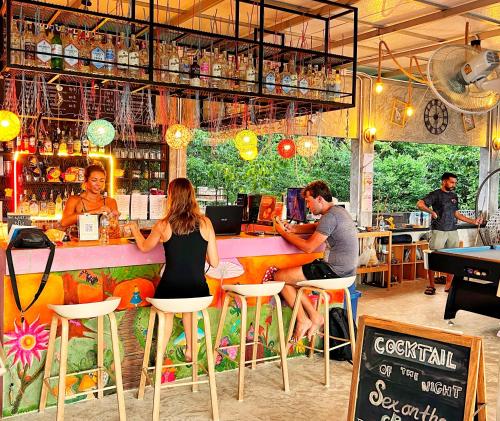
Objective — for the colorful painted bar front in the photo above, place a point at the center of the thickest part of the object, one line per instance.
(88, 272)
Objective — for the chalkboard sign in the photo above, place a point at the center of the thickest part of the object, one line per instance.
(404, 372)
(18, 219)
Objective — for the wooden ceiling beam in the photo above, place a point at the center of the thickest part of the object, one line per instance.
(440, 14)
(74, 3)
(196, 8)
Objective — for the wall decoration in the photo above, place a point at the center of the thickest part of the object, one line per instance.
(468, 122)
(398, 114)
(436, 116)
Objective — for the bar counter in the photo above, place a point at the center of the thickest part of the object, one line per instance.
(85, 272)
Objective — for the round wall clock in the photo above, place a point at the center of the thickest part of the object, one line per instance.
(436, 116)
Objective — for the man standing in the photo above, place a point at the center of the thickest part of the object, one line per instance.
(337, 231)
(444, 214)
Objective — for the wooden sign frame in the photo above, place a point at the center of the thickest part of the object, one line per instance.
(476, 382)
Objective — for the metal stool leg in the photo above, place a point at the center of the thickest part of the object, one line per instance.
(62, 369)
(118, 366)
(147, 352)
(350, 319)
(222, 320)
(48, 363)
(100, 354)
(283, 347)
(194, 344)
(326, 337)
(158, 367)
(241, 369)
(256, 332)
(210, 366)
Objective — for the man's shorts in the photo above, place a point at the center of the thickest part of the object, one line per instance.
(318, 269)
(443, 239)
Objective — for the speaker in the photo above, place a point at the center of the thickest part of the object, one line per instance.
(242, 200)
(253, 207)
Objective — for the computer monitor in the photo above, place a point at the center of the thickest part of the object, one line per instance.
(225, 219)
(295, 205)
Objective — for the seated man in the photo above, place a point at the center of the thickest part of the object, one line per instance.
(337, 231)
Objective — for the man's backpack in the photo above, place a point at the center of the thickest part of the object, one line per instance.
(339, 327)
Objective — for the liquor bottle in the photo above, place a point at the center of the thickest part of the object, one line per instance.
(205, 68)
(19, 144)
(25, 143)
(104, 229)
(93, 148)
(337, 85)
(122, 56)
(173, 64)
(65, 199)
(133, 58)
(163, 61)
(59, 204)
(33, 206)
(71, 52)
(56, 61)
(51, 206)
(101, 150)
(55, 144)
(303, 83)
(194, 72)
(144, 60)
(250, 75)
(47, 145)
(70, 144)
(29, 46)
(98, 56)
(217, 64)
(185, 67)
(25, 204)
(231, 75)
(269, 79)
(110, 55)
(63, 144)
(85, 146)
(77, 146)
(316, 83)
(294, 77)
(42, 205)
(43, 49)
(286, 81)
(32, 144)
(15, 43)
(241, 67)
(85, 52)
(21, 200)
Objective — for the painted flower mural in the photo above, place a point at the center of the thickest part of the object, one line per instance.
(27, 342)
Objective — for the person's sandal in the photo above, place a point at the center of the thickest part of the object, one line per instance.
(430, 291)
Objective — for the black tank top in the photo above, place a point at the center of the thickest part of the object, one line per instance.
(184, 275)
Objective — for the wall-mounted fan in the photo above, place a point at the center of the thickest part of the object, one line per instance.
(465, 78)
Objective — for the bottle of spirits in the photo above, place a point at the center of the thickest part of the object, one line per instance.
(250, 75)
(231, 75)
(85, 52)
(217, 64)
(205, 68)
(85, 145)
(303, 83)
(164, 56)
(51, 206)
(185, 67)
(33, 206)
(63, 145)
(25, 204)
(104, 229)
(93, 148)
(42, 206)
(56, 61)
(194, 72)
(241, 73)
(269, 79)
(55, 144)
(65, 199)
(15, 43)
(43, 49)
(59, 204)
(47, 145)
(337, 85)
(70, 144)
(98, 56)
(32, 144)
(77, 146)
(110, 55)
(294, 78)
(144, 60)
(21, 200)
(173, 64)
(133, 58)
(286, 81)
(29, 46)
(122, 56)
(71, 52)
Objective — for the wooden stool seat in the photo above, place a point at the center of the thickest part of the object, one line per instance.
(321, 287)
(242, 292)
(159, 308)
(64, 313)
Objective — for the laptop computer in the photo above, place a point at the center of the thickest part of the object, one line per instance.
(225, 219)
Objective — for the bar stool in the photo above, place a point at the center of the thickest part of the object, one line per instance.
(64, 313)
(178, 305)
(321, 287)
(271, 289)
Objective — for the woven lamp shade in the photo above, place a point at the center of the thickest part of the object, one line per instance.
(10, 125)
(286, 148)
(178, 136)
(307, 146)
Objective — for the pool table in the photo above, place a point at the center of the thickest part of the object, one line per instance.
(475, 284)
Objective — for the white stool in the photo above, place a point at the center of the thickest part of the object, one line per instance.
(426, 258)
(243, 292)
(64, 313)
(179, 305)
(322, 286)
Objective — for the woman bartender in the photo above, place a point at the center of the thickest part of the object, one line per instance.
(91, 200)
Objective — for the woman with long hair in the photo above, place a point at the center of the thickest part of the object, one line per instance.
(188, 239)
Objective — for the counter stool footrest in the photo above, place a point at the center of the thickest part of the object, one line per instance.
(80, 372)
(168, 386)
(274, 357)
(169, 365)
(86, 392)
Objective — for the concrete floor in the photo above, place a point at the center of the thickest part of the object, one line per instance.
(308, 399)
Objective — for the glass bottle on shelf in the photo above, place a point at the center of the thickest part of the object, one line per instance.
(173, 64)
(185, 66)
(303, 83)
(64, 200)
(231, 74)
(286, 81)
(55, 144)
(110, 55)
(269, 78)
(33, 206)
(250, 75)
(122, 55)
(241, 73)
(93, 148)
(15, 43)
(56, 61)
(58, 204)
(70, 144)
(144, 60)
(25, 204)
(43, 49)
(29, 46)
(85, 145)
(77, 146)
(133, 58)
(194, 72)
(317, 82)
(104, 228)
(217, 64)
(32, 144)
(205, 68)
(337, 85)
(97, 55)
(71, 52)
(25, 143)
(47, 145)
(51, 206)
(163, 61)
(85, 52)
(63, 145)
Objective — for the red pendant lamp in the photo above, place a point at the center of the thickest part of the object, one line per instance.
(286, 148)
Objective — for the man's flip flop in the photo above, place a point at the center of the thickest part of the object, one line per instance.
(430, 291)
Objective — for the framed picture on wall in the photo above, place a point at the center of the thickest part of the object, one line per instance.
(468, 122)
(398, 115)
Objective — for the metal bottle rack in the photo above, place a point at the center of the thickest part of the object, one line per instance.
(325, 18)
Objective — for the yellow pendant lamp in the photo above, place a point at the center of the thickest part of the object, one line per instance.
(307, 146)
(10, 125)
